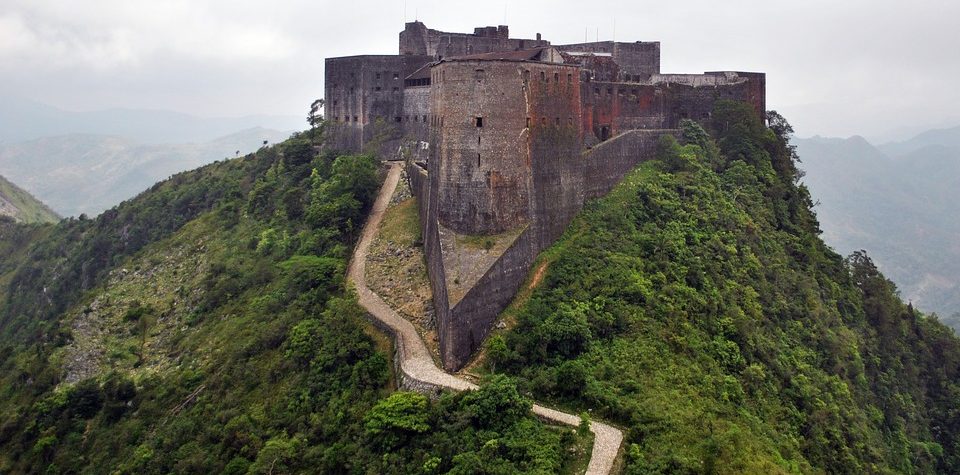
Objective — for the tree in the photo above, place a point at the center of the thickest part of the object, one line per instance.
(397, 416)
(314, 117)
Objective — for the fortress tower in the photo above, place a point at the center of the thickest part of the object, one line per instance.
(509, 138)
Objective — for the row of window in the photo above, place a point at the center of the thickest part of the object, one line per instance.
(546, 79)
(620, 92)
(478, 122)
(417, 82)
(438, 121)
(416, 118)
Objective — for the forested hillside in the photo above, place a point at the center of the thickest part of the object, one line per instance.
(204, 327)
(697, 307)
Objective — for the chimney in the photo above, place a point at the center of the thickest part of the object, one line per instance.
(538, 36)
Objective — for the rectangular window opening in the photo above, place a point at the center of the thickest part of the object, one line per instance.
(479, 122)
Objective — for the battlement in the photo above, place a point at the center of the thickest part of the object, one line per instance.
(416, 39)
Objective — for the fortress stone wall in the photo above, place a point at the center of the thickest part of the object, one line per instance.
(506, 139)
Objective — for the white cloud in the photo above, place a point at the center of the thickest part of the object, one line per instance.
(873, 63)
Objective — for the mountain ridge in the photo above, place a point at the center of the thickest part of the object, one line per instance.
(88, 173)
(20, 205)
(24, 119)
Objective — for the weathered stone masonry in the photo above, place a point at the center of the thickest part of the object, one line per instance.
(510, 138)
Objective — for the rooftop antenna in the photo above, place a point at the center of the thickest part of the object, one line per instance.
(598, 34)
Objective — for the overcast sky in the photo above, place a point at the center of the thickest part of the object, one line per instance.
(869, 67)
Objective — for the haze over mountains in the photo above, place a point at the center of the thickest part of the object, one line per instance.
(23, 119)
(898, 201)
(88, 174)
(87, 162)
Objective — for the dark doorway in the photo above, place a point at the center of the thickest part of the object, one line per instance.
(604, 132)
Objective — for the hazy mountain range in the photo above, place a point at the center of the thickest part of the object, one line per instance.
(88, 174)
(87, 162)
(23, 119)
(899, 202)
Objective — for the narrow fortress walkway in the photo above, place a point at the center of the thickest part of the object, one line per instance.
(417, 368)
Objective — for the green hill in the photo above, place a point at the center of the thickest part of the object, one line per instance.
(697, 307)
(21, 206)
(204, 327)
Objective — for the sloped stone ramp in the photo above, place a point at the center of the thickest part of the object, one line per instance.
(417, 370)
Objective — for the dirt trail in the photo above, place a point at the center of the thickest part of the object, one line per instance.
(414, 359)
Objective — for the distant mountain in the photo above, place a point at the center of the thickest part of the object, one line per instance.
(21, 206)
(88, 174)
(939, 138)
(899, 202)
(22, 120)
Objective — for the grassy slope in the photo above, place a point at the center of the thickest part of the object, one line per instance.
(696, 306)
(29, 209)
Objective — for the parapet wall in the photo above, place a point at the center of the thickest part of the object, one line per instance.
(417, 39)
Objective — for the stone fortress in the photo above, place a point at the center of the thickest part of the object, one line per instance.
(507, 138)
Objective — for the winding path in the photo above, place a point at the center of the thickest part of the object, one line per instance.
(417, 369)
